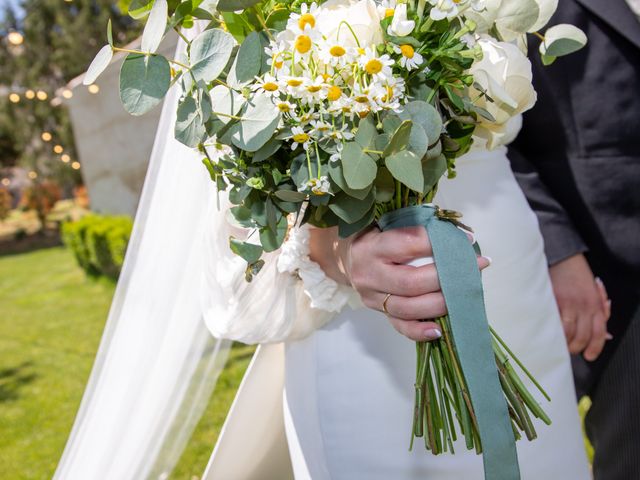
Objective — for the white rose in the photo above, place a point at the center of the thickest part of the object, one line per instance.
(505, 74)
(361, 15)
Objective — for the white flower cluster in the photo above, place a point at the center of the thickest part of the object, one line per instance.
(453, 8)
(325, 70)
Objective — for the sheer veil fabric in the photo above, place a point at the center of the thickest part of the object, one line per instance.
(157, 363)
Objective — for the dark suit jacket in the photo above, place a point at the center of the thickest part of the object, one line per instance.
(577, 157)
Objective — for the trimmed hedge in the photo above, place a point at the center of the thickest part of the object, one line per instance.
(99, 242)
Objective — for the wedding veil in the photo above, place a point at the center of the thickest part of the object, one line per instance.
(157, 363)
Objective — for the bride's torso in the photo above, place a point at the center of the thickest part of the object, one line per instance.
(349, 386)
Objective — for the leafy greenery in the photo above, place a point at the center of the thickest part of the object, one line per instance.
(51, 323)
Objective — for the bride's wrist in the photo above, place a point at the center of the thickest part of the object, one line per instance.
(330, 252)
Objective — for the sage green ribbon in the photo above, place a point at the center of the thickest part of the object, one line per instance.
(455, 260)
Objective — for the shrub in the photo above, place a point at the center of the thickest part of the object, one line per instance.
(41, 197)
(5, 204)
(98, 242)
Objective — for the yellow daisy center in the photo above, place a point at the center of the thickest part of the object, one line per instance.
(361, 51)
(325, 76)
(300, 137)
(362, 99)
(373, 66)
(407, 51)
(389, 12)
(364, 113)
(337, 51)
(284, 107)
(389, 94)
(334, 93)
(306, 19)
(270, 86)
(294, 82)
(314, 88)
(303, 44)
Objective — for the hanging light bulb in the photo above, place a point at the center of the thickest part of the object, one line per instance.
(42, 95)
(93, 88)
(66, 93)
(46, 136)
(75, 165)
(14, 98)
(58, 149)
(32, 175)
(65, 158)
(15, 38)
(6, 182)
(30, 94)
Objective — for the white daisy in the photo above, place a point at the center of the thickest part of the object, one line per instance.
(378, 67)
(332, 53)
(286, 107)
(267, 85)
(400, 25)
(386, 8)
(320, 128)
(341, 134)
(300, 137)
(305, 20)
(410, 59)
(338, 155)
(317, 186)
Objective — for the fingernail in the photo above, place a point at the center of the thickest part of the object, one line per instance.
(608, 336)
(489, 259)
(599, 281)
(609, 303)
(433, 334)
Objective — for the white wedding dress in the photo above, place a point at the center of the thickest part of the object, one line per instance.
(348, 385)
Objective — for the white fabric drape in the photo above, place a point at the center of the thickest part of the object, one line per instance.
(157, 363)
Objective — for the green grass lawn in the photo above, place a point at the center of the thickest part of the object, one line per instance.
(51, 320)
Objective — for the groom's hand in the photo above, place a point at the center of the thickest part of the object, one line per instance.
(373, 263)
(583, 306)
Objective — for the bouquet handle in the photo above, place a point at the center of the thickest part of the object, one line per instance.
(455, 259)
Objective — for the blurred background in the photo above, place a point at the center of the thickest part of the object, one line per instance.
(72, 165)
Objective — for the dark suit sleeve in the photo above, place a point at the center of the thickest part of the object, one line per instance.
(561, 240)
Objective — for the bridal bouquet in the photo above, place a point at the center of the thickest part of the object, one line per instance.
(344, 113)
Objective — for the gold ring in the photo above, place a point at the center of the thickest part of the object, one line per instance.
(384, 304)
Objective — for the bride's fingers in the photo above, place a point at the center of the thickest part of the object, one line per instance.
(402, 245)
(604, 298)
(584, 325)
(569, 325)
(415, 330)
(429, 305)
(598, 338)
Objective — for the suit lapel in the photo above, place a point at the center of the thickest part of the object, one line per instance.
(618, 15)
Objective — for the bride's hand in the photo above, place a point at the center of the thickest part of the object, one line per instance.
(373, 263)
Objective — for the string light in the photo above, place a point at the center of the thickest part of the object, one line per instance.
(58, 149)
(66, 93)
(6, 182)
(32, 175)
(75, 165)
(65, 158)
(30, 94)
(14, 98)
(41, 95)
(46, 136)
(15, 38)
(93, 88)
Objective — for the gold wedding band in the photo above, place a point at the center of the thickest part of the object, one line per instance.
(384, 304)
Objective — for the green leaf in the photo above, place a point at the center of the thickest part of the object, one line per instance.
(399, 139)
(425, 115)
(516, 16)
(432, 171)
(347, 229)
(336, 174)
(99, 63)
(266, 151)
(385, 186)
(189, 128)
(367, 132)
(277, 20)
(109, 33)
(391, 123)
(547, 60)
(233, 5)
(248, 251)
(406, 167)
(258, 124)
(225, 101)
(418, 141)
(144, 81)
(155, 27)
(140, 8)
(349, 209)
(562, 40)
(358, 168)
(271, 240)
(242, 215)
(290, 195)
(248, 61)
(209, 54)
(382, 141)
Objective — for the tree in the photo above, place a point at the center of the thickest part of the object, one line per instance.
(59, 40)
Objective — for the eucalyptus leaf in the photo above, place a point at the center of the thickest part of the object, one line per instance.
(290, 195)
(406, 167)
(189, 128)
(425, 115)
(347, 229)
(433, 170)
(271, 240)
(385, 186)
(367, 132)
(399, 140)
(144, 81)
(516, 17)
(561, 40)
(109, 33)
(140, 8)
(248, 61)
(155, 27)
(277, 20)
(358, 168)
(336, 174)
(209, 54)
(258, 124)
(242, 216)
(225, 101)
(248, 251)
(266, 151)
(350, 210)
(234, 5)
(99, 63)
